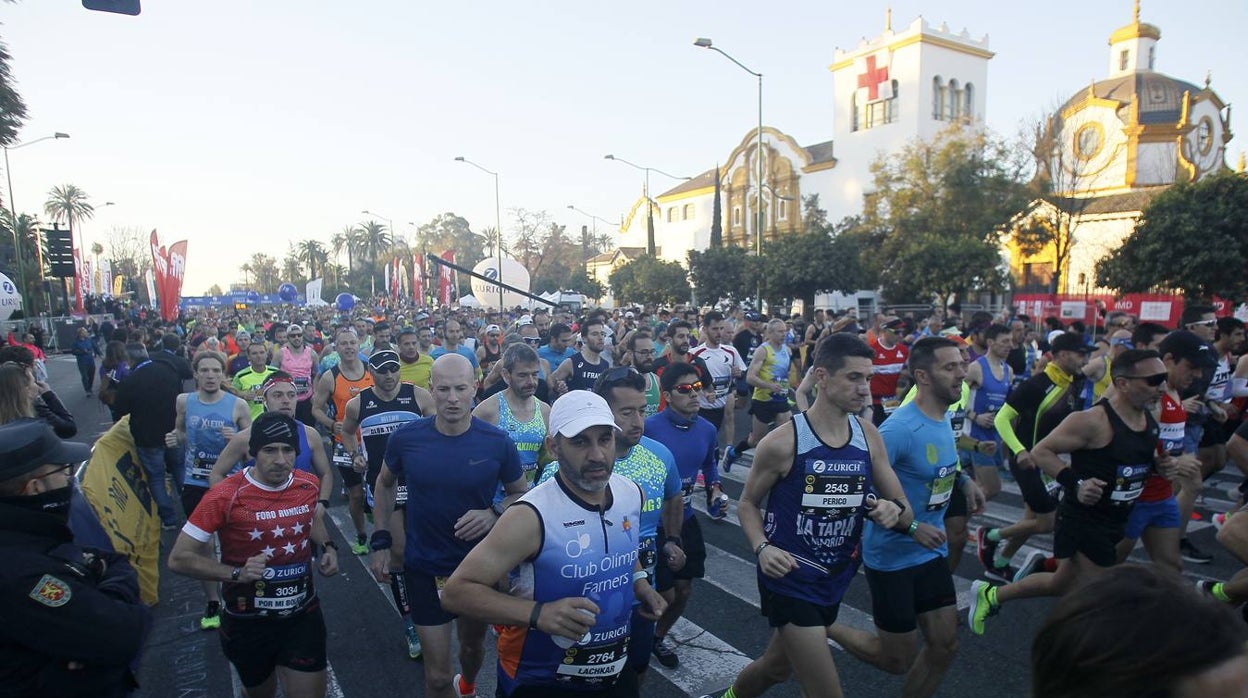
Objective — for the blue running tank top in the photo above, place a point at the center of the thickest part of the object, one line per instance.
(528, 436)
(204, 440)
(586, 552)
(815, 513)
(990, 397)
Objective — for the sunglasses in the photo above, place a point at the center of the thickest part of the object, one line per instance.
(686, 388)
(1154, 380)
(1203, 323)
(386, 368)
(66, 469)
(532, 340)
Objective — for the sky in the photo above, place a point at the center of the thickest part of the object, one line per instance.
(243, 125)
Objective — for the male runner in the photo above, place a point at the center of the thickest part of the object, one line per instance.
(1023, 355)
(452, 464)
(369, 419)
(269, 528)
(581, 370)
(558, 345)
(691, 441)
(299, 360)
(573, 543)
(769, 403)
(890, 359)
(989, 378)
(516, 410)
(248, 383)
(745, 341)
(335, 386)
(911, 584)
(491, 350)
(207, 418)
(279, 397)
(1031, 411)
(639, 353)
(416, 365)
(818, 499)
(724, 366)
(678, 352)
(1113, 448)
(453, 343)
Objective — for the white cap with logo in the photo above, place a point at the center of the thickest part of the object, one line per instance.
(579, 410)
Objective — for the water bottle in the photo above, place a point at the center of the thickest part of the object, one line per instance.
(565, 643)
(719, 506)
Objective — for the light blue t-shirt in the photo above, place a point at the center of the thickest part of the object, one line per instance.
(461, 350)
(926, 463)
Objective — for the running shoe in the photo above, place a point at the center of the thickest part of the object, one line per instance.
(1032, 564)
(987, 550)
(717, 694)
(1191, 553)
(212, 616)
(360, 546)
(463, 690)
(413, 642)
(665, 654)
(1205, 587)
(981, 606)
(1000, 575)
(730, 457)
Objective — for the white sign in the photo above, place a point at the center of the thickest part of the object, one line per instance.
(514, 275)
(1074, 309)
(1155, 311)
(10, 299)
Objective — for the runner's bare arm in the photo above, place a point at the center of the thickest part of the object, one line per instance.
(242, 416)
(320, 398)
(487, 411)
(350, 427)
(772, 460)
(235, 452)
(1078, 431)
(383, 506)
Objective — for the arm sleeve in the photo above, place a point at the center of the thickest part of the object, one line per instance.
(51, 410)
(1004, 422)
(1239, 387)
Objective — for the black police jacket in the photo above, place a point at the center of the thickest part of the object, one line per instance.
(71, 621)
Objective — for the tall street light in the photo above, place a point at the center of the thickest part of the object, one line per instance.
(498, 225)
(594, 220)
(649, 202)
(17, 248)
(703, 42)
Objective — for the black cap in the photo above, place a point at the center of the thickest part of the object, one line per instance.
(271, 428)
(26, 444)
(753, 316)
(1069, 341)
(383, 357)
(1182, 344)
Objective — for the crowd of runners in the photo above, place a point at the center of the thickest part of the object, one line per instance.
(530, 476)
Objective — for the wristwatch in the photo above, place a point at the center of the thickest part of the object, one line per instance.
(234, 573)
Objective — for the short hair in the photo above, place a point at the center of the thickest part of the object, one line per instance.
(711, 318)
(1124, 364)
(170, 341)
(1022, 318)
(619, 377)
(594, 320)
(519, 353)
(1193, 313)
(1227, 326)
(137, 352)
(678, 324)
(673, 374)
(345, 328)
(219, 357)
(409, 330)
(559, 328)
(631, 344)
(923, 353)
(18, 354)
(1146, 333)
(831, 351)
(995, 330)
(1083, 648)
(381, 326)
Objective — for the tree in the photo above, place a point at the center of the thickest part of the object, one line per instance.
(448, 231)
(1192, 238)
(68, 203)
(816, 261)
(292, 267)
(215, 290)
(130, 253)
(12, 108)
(346, 240)
(938, 211)
(28, 244)
(724, 272)
(313, 254)
(651, 281)
(375, 239)
(261, 273)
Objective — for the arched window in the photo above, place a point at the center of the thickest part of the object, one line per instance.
(871, 114)
(687, 213)
(736, 215)
(969, 100)
(938, 95)
(671, 214)
(953, 106)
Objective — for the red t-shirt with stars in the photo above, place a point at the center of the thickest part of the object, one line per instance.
(249, 518)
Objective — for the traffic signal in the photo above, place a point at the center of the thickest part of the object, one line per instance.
(121, 7)
(60, 253)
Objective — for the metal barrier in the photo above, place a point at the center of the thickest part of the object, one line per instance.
(58, 331)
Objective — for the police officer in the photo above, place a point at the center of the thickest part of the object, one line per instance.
(73, 620)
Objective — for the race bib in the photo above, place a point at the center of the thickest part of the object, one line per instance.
(833, 488)
(594, 662)
(283, 590)
(1128, 483)
(201, 467)
(302, 385)
(400, 495)
(341, 458)
(942, 488)
(890, 404)
(647, 554)
(686, 491)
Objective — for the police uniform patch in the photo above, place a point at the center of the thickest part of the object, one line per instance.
(51, 591)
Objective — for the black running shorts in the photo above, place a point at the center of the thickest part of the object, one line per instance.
(782, 610)
(899, 597)
(1081, 531)
(424, 593)
(695, 557)
(257, 646)
(1031, 485)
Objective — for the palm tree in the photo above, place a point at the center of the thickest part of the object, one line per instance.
(346, 239)
(374, 241)
(12, 108)
(68, 203)
(29, 242)
(311, 253)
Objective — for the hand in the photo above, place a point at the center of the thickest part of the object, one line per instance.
(359, 463)
(929, 536)
(987, 448)
(1193, 404)
(171, 439)
(571, 617)
(883, 512)
(984, 420)
(652, 602)
(474, 524)
(975, 499)
(1215, 410)
(42, 387)
(380, 566)
(1024, 460)
(1090, 491)
(1187, 467)
(328, 564)
(775, 563)
(337, 428)
(228, 432)
(675, 556)
(253, 569)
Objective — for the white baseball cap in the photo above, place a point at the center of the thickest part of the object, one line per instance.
(579, 410)
(524, 320)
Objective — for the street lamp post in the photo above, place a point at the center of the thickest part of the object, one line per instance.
(650, 249)
(498, 225)
(17, 246)
(594, 221)
(703, 42)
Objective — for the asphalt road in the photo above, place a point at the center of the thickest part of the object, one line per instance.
(721, 632)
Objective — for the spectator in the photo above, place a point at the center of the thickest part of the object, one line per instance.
(25, 396)
(150, 396)
(85, 350)
(113, 369)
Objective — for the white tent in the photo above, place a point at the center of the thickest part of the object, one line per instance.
(469, 302)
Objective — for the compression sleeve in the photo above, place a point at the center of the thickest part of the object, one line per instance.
(1239, 387)
(1004, 422)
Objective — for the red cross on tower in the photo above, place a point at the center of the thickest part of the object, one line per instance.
(873, 78)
